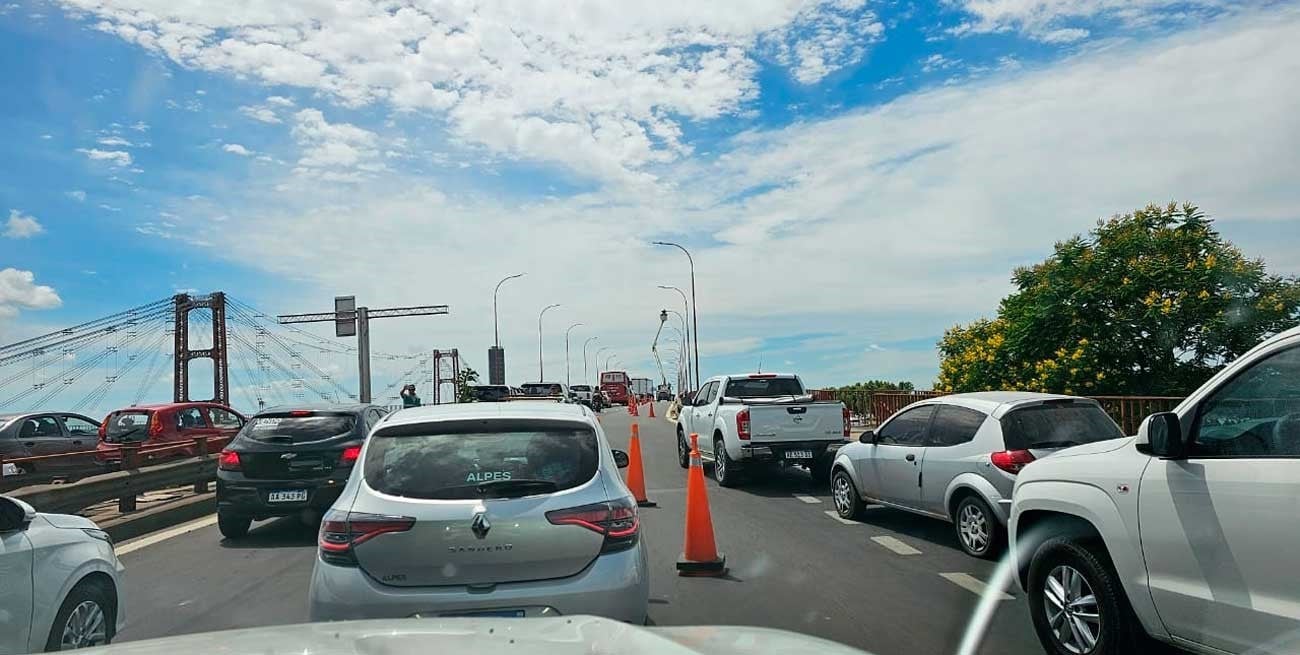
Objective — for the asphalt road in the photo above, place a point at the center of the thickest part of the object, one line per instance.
(893, 584)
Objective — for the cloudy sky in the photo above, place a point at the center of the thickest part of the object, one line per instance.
(852, 177)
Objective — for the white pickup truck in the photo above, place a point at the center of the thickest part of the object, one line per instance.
(745, 421)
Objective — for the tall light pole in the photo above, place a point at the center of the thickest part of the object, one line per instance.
(584, 358)
(687, 310)
(567, 380)
(541, 374)
(607, 360)
(695, 309)
(497, 356)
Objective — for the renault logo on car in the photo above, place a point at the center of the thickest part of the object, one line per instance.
(480, 525)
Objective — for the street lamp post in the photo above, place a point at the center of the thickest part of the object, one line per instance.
(687, 310)
(608, 359)
(584, 357)
(568, 381)
(497, 356)
(695, 309)
(541, 373)
(596, 359)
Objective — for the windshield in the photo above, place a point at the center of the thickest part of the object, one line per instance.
(473, 464)
(747, 242)
(288, 428)
(1057, 426)
(763, 388)
(126, 423)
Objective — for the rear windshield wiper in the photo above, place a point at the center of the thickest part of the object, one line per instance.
(499, 487)
(1054, 444)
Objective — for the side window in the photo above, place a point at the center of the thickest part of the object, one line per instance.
(224, 420)
(954, 425)
(906, 429)
(705, 395)
(1255, 414)
(190, 418)
(714, 387)
(40, 426)
(80, 427)
(372, 417)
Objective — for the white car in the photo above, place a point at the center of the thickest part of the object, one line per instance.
(59, 581)
(1186, 533)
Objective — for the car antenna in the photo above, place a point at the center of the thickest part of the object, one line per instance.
(760, 364)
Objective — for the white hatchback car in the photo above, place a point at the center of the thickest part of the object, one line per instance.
(1186, 533)
(59, 581)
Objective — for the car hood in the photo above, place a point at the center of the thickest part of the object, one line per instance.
(587, 635)
(70, 521)
(1094, 448)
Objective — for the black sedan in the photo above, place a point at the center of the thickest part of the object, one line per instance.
(289, 461)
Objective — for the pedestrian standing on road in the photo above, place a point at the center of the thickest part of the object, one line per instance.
(409, 399)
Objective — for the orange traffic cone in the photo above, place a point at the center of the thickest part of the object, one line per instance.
(652, 409)
(700, 556)
(636, 407)
(631, 407)
(635, 472)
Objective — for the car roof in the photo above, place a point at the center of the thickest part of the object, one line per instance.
(318, 407)
(157, 406)
(521, 409)
(991, 402)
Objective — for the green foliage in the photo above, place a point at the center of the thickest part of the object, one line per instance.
(464, 385)
(1149, 303)
(878, 385)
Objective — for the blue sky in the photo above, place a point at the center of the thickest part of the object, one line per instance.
(853, 177)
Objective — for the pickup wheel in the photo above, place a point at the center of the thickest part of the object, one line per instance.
(1077, 604)
(724, 468)
(683, 450)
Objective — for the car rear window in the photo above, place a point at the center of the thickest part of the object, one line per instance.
(1057, 425)
(126, 423)
(286, 428)
(480, 459)
(580, 387)
(763, 388)
(542, 390)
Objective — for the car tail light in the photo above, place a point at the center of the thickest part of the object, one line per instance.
(848, 422)
(301, 412)
(1011, 461)
(155, 424)
(349, 455)
(228, 461)
(760, 376)
(616, 519)
(340, 532)
(103, 430)
(742, 424)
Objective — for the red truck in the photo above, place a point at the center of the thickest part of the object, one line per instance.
(615, 385)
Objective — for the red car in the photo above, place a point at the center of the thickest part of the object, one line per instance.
(165, 424)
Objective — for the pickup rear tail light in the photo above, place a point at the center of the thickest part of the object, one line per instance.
(742, 424)
(848, 422)
(340, 532)
(155, 424)
(616, 519)
(1011, 461)
(349, 455)
(229, 461)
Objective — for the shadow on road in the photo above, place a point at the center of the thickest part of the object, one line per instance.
(286, 532)
(779, 482)
(939, 533)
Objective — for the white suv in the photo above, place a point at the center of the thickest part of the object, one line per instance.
(1187, 533)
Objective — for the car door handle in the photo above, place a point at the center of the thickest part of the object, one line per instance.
(77, 442)
(29, 444)
(910, 457)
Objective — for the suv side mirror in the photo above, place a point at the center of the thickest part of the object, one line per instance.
(1161, 435)
(867, 437)
(620, 459)
(15, 514)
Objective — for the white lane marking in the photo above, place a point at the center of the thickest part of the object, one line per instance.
(831, 513)
(972, 584)
(808, 499)
(149, 540)
(895, 545)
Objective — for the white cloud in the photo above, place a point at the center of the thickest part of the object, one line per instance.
(109, 208)
(114, 157)
(339, 152)
(1047, 20)
(260, 113)
(18, 289)
(237, 149)
(114, 141)
(21, 226)
(598, 89)
(47, 137)
(931, 199)
(140, 126)
(76, 194)
(938, 62)
(279, 101)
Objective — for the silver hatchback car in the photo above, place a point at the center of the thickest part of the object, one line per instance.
(956, 457)
(483, 509)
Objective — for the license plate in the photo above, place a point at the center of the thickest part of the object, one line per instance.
(512, 614)
(287, 496)
(798, 454)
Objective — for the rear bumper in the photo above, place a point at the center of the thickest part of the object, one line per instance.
(771, 451)
(243, 497)
(615, 585)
